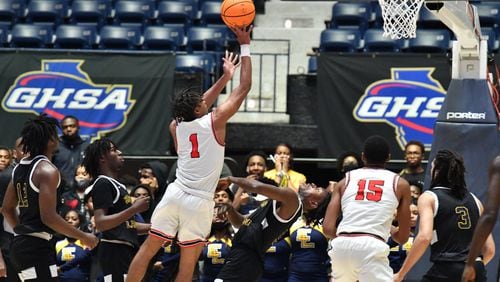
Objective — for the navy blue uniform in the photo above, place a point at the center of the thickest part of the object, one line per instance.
(276, 261)
(74, 261)
(214, 256)
(310, 260)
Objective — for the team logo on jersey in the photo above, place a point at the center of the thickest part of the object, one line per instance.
(61, 88)
(409, 101)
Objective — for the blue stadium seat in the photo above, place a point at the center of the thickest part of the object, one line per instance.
(75, 37)
(430, 41)
(11, 11)
(163, 37)
(196, 63)
(490, 35)
(47, 11)
(489, 14)
(340, 40)
(351, 14)
(31, 36)
(134, 12)
(376, 42)
(312, 66)
(426, 19)
(4, 35)
(176, 12)
(210, 13)
(206, 39)
(90, 12)
(119, 37)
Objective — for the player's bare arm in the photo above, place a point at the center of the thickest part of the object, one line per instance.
(9, 206)
(172, 127)
(229, 67)
(403, 192)
(104, 222)
(46, 178)
(226, 110)
(289, 200)
(424, 236)
(333, 210)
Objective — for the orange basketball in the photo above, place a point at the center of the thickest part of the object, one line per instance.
(237, 12)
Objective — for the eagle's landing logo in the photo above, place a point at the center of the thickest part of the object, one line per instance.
(61, 88)
(410, 102)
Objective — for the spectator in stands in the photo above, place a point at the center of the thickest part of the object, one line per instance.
(70, 152)
(154, 174)
(218, 248)
(414, 154)
(73, 258)
(167, 264)
(74, 199)
(277, 260)
(282, 172)
(5, 158)
(348, 161)
(141, 191)
(309, 256)
(245, 203)
(114, 211)
(416, 188)
(397, 253)
(6, 231)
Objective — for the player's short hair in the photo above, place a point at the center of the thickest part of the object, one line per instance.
(184, 104)
(376, 149)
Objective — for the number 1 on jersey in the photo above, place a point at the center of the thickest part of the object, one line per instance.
(374, 192)
(193, 138)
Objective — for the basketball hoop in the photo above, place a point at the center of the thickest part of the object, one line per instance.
(400, 17)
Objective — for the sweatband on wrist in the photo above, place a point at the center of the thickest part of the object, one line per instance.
(245, 50)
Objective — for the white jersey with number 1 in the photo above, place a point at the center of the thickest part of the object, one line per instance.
(369, 201)
(200, 157)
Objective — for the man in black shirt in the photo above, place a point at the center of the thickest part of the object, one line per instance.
(258, 231)
(448, 214)
(414, 155)
(34, 190)
(113, 210)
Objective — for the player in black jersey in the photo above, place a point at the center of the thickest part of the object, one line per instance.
(448, 215)
(113, 210)
(34, 189)
(486, 221)
(258, 231)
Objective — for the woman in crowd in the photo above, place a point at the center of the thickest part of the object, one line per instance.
(282, 173)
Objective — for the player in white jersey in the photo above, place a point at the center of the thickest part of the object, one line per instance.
(367, 198)
(187, 206)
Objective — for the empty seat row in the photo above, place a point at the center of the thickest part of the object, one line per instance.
(118, 37)
(98, 11)
(429, 41)
(362, 14)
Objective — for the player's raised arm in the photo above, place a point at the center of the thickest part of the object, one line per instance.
(229, 67)
(227, 109)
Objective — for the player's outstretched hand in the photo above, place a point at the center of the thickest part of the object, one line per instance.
(89, 240)
(230, 63)
(242, 33)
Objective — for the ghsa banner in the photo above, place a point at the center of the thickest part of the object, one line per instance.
(397, 96)
(123, 96)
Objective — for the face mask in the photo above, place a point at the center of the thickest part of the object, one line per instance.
(349, 167)
(82, 184)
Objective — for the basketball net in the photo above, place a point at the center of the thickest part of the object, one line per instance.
(400, 17)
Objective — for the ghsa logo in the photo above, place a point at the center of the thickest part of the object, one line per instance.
(410, 102)
(61, 88)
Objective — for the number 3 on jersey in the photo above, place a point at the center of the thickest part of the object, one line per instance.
(193, 138)
(374, 192)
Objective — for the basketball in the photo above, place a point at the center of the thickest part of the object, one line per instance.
(237, 12)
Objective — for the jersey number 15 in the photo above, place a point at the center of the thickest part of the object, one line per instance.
(374, 188)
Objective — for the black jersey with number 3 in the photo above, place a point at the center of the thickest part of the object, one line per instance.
(28, 197)
(454, 224)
